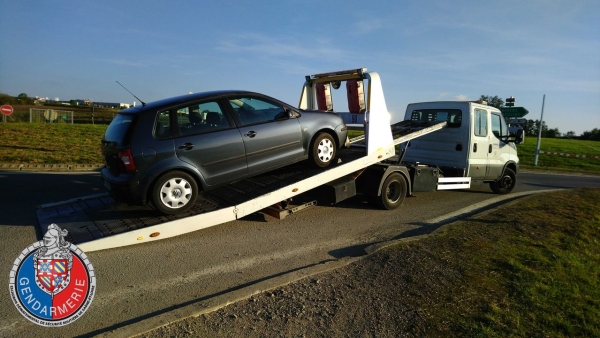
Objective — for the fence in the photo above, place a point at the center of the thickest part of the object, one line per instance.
(50, 116)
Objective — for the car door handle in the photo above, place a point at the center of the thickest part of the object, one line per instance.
(186, 146)
(250, 134)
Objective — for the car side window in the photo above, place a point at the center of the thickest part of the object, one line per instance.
(252, 110)
(480, 122)
(201, 118)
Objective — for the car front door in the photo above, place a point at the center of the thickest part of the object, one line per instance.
(210, 142)
(271, 137)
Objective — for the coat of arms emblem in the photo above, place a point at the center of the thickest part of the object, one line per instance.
(53, 262)
(52, 282)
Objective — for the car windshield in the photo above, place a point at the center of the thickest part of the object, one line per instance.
(119, 129)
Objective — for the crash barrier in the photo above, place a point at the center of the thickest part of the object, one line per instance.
(568, 155)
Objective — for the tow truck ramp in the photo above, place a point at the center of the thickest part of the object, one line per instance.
(97, 222)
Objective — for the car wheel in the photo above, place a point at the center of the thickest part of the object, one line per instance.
(174, 192)
(393, 192)
(323, 150)
(506, 183)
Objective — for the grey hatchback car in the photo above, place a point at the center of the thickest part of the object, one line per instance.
(166, 152)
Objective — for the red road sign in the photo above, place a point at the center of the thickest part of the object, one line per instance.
(6, 109)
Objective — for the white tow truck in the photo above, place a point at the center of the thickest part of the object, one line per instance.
(372, 166)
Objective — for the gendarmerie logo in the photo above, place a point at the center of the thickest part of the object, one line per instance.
(52, 282)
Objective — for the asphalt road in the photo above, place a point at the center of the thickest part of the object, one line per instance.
(201, 269)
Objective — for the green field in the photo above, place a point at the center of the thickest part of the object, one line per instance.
(62, 143)
(57, 143)
(569, 146)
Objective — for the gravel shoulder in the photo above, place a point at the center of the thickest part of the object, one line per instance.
(411, 289)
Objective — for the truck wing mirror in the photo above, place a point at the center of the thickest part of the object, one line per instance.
(520, 136)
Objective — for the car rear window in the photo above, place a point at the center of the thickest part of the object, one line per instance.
(120, 128)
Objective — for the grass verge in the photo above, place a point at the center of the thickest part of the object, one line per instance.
(530, 270)
(36, 143)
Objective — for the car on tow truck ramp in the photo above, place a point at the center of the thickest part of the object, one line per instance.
(167, 151)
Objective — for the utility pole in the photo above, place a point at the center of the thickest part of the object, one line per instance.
(537, 147)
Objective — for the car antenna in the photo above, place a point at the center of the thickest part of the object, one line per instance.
(142, 102)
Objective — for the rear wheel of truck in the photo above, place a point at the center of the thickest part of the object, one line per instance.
(506, 183)
(393, 192)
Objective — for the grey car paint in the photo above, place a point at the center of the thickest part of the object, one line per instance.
(213, 158)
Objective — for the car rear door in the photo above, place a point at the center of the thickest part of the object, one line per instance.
(271, 137)
(209, 141)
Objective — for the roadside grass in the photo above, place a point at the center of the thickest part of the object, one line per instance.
(529, 270)
(526, 153)
(57, 143)
(38, 143)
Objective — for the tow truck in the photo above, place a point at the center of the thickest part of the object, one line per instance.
(371, 165)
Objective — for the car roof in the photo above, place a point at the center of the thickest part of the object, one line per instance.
(172, 101)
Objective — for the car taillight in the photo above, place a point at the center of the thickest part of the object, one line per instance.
(127, 160)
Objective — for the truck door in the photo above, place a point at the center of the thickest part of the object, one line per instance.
(480, 145)
(500, 150)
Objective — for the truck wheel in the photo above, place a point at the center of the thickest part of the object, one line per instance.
(323, 150)
(174, 192)
(393, 192)
(506, 183)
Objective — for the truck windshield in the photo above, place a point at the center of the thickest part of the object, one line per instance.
(452, 116)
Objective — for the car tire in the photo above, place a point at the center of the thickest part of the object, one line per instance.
(174, 192)
(323, 150)
(506, 183)
(393, 192)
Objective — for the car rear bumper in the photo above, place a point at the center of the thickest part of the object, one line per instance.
(124, 188)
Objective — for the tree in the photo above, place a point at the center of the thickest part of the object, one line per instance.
(533, 128)
(570, 134)
(492, 101)
(24, 99)
(594, 135)
(551, 133)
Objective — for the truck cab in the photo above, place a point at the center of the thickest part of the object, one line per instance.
(476, 142)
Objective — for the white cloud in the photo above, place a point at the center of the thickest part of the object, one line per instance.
(460, 97)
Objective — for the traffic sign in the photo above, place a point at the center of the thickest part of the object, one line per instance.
(514, 111)
(6, 109)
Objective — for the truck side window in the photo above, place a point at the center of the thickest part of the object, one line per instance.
(452, 116)
(499, 127)
(480, 122)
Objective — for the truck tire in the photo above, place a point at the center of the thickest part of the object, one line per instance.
(174, 192)
(323, 150)
(393, 192)
(506, 183)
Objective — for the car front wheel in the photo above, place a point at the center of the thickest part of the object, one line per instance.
(323, 150)
(174, 192)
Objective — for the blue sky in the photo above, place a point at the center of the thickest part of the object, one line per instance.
(423, 50)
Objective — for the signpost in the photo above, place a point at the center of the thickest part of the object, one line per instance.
(513, 111)
(6, 110)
